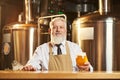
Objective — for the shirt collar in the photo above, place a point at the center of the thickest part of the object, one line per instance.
(63, 43)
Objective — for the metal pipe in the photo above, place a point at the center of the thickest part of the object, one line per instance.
(104, 6)
(28, 14)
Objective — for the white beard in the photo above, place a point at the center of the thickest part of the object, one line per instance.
(57, 40)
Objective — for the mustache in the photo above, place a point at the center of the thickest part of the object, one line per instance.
(58, 33)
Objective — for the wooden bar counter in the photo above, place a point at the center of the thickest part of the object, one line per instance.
(58, 75)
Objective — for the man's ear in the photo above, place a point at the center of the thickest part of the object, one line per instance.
(49, 31)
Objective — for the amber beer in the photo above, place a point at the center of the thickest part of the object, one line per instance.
(81, 59)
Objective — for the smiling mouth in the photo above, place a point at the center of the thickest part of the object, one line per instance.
(58, 33)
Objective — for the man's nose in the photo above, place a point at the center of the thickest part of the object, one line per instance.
(58, 29)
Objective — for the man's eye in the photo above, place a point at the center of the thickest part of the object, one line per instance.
(61, 27)
(54, 27)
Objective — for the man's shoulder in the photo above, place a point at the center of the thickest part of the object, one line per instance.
(72, 43)
(74, 47)
(44, 45)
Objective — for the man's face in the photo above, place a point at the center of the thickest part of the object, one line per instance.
(58, 28)
(58, 31)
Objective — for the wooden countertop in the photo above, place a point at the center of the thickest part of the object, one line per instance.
(58, 75)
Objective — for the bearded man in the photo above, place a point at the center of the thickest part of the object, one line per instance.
(59, 54)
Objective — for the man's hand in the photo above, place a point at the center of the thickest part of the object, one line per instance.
(85, 67)
(28, 68)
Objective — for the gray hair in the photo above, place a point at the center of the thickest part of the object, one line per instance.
(57, 18)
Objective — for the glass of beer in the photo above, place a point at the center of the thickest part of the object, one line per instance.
(81, 59)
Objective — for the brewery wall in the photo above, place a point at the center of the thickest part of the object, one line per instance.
(10, 9)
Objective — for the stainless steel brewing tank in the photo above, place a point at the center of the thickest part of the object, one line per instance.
(98, 35)
(19, 42)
